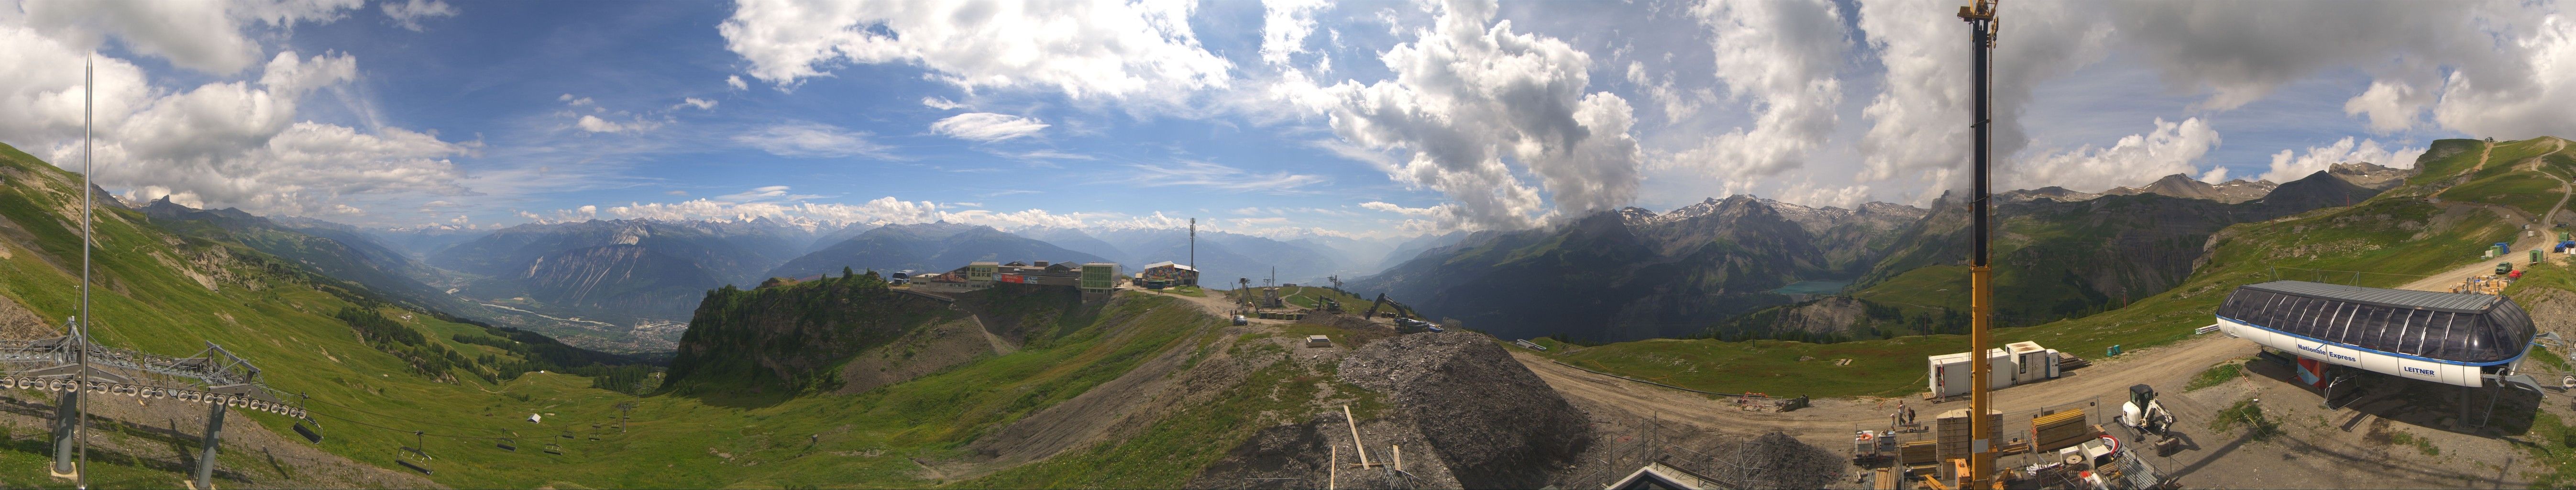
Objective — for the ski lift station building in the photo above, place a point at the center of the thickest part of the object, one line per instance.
(2452, 338)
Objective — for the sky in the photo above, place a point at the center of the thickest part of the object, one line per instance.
(1375, 120)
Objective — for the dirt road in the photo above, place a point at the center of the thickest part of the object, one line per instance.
(2166, 368)
(2520, 259)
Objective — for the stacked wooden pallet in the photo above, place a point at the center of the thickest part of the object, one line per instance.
(2061, 429)
(1953, 439)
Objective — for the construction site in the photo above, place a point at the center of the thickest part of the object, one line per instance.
(2442, 381)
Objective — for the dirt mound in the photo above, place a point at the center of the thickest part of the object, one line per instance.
(1492, 421)
(1282, 456)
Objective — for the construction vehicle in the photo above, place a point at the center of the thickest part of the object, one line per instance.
(1399, 312)
(2503, 268)
(2144, 415)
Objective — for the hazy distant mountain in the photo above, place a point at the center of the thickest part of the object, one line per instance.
(620, 270)
(1632, 273)
(1224, 257)
(1409, 249)
(418, 242)
(1078, 241)
(336, 250)
(928, 247)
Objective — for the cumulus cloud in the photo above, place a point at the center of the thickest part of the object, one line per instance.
(1284, 27)
(1919, 121)
(812, 140)
(701, 104)
(2172, 148)
(220, 144)
(410, 13)
(1472, 99)
(2241, 52)
(2289, 165)
(1084, 49)
(1678, 104)
(986, 127)
(735, 81)
(1781, 55)
(207, 37)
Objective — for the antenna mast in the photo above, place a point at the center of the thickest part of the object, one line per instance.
(1980, 16)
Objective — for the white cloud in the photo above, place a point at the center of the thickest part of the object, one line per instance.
(207, 37)
(1085, 49)
(1284, 27)
(409, 13)
(2289, 165)
(1468, 102)
(1782, 55)
(1209, 175)
(2172, 148)
(735, 81)
(812, 140)
(220, 144)
(701, 104)
(986, 127)
(1678, 104)
(594, 124)
(1919, 121)
(940, 103)
(884, 210)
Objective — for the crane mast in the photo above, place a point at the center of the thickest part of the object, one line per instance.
(1980, 16)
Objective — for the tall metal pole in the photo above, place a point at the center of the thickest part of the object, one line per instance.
(1194, 249)
(1981, 459)
(80, 342)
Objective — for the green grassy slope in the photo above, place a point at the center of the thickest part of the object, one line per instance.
(2398, 235)
(274, 314)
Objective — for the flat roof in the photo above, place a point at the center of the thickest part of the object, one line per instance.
(2399, 298)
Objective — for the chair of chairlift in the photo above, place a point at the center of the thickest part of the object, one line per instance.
(413, 457)
(508, 444)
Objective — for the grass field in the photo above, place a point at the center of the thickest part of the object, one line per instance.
(2532, 193)
(169, 295)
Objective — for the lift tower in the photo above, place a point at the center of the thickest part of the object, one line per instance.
(1980, 15)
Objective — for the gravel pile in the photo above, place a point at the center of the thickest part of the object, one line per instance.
(1493, 422)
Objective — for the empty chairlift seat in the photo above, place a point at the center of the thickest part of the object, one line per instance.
(2452, 338)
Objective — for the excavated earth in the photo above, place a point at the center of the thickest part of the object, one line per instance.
(1493, 423)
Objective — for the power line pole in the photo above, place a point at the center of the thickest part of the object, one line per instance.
(1981, 31)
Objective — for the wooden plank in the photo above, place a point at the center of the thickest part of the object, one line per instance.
(1355, 435)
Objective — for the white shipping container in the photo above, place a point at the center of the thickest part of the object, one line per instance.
(2031, 362)
(1951, 375)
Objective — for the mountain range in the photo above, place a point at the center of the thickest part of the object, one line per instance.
(1632, 274)
(928, 248)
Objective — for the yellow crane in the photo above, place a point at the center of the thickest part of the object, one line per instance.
(1980, 16)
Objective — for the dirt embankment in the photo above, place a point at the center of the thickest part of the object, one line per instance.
(1491, 421)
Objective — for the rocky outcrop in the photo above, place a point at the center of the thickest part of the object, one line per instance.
(2183, 186)
(2370, 175)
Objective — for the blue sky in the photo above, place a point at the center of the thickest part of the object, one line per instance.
(1372, 119)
